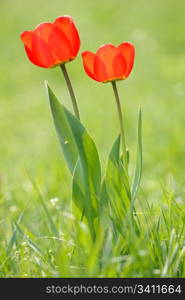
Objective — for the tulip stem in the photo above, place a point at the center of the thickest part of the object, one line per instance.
(121, 123)
(71, 91)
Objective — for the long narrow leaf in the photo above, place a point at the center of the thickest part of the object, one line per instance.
(63, 130)
(138, 170)
(14, 234)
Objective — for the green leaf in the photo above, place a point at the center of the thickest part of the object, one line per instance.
(81, 197)
(12, 240)
(117, 186)
(88, 155)
(63, 130)
(138, 169)
(87, 170)
(104, 197)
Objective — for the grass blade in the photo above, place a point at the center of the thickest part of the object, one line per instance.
(138, 169)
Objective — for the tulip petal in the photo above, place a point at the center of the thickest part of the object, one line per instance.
(100, 72)
(43, 30)
(59, 45)
(107, 54)
(88, 63)
(42, 52)
(127, 50)
(33, 58)
(67, 25)
(120, 66)
(40, 45)
(26, 38)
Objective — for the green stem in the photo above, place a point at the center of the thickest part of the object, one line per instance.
(121, 123)
(71, 91)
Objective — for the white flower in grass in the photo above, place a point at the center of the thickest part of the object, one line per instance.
(54, 201)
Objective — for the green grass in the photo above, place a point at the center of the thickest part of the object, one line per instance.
(39, 236)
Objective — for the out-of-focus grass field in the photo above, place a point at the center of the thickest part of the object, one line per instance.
(29, 147)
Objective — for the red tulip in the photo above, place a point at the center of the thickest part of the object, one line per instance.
(52, 44)
(110, 63)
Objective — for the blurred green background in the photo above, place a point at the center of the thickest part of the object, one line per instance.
(28, 139)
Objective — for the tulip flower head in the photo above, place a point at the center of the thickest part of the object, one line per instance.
(110, 63)
(52, 44)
